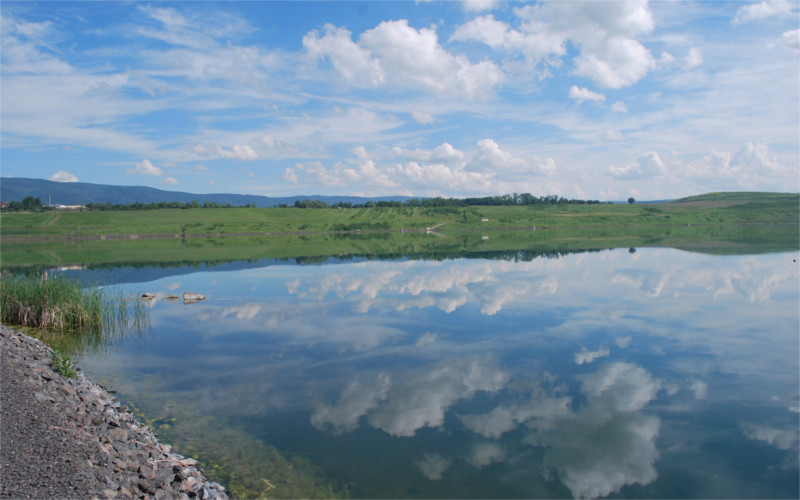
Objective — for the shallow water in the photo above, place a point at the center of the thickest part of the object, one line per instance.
(653, 373)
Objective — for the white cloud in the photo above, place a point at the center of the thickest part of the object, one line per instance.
(791, 40)
(506, 418)
(356, 400)
(479, 5)
(581, 94)
(619, 107)
(751, 165)
(490, 158)
(63, 176)
(647, 166)
(488, 169)
(397, 55)
(144, 167)
(169, 181)
(423, 118)
(755, 157)
(586, 356)
(427, 339)
(236, 152)
(620, 387)
(415, 58)
(781, 438)
(607, 444)
(483, 454)
(433, 466)
(604, 33)
(422, 401)
(290, 175)
(353, 62)
(694, 58)
(536, 42)
(651, 283)
(763, 10)
(598, 456)
(698, 388)
(444, 153)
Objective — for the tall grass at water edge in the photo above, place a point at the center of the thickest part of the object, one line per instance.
(59, 304)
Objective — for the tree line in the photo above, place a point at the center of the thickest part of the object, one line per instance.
(504, 200)
(525, 199)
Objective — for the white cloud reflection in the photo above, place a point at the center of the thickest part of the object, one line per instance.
(418, 401)
(597, 449)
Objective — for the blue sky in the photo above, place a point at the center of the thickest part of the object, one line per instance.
(601, 100)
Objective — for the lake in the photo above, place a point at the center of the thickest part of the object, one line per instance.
(635, 373)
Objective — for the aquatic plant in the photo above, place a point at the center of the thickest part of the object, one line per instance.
(64, 305)
(63, 364)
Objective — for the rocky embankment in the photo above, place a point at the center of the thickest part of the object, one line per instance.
(70, 438)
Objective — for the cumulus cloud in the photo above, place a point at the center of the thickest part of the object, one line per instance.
(401, 407)
(535, 41)
(791, 40)
(489, 168)
(581, 94)
(762, 10)
(422, 401)
(651, 283)
(356, 400)
(235, 152)
(752, 163)
(597, 457)
(605, 34)
(144, 167)
(490, 157)
(444, 153)
(647, 166)
(169, 181)
(433, 466)
(398, 55)
(586, 356)
(506, 418)
(781, 438)
(694, 58)
(479, 5)
(621, 387)
(607, 444)
(755, 157)
(483, 454)
(423, 118)
(619, 107)
(63, 176)
(353, 62)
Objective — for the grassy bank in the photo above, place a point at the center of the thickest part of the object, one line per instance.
(715, 208)
(27, 256)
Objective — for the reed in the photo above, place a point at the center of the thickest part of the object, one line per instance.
(63, 305)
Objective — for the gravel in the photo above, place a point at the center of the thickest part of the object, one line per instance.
(70, 438)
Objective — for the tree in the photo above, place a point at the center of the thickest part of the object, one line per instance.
(631, 200)
(31, 203)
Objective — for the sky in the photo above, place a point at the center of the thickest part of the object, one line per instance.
(582, 99)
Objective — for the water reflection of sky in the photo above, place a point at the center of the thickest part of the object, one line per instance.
(655, 373)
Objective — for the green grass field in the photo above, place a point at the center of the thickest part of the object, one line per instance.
(715, 208)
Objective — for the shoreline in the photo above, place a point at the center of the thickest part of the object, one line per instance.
(71, 438)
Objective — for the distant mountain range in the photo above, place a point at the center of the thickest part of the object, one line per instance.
(83, 193)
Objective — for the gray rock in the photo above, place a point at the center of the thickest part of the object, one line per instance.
(49, 421)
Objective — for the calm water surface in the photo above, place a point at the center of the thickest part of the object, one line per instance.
(650, 373)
